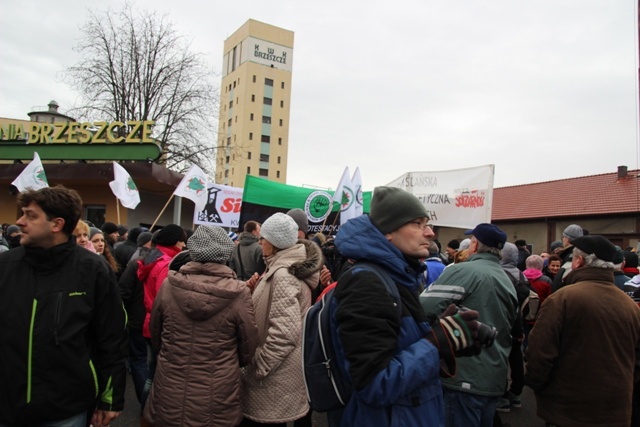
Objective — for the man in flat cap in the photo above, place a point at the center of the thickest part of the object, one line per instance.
(582, 353)
(479, 284)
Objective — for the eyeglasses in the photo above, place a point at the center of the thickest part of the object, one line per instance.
(422, 225)
(260, 239)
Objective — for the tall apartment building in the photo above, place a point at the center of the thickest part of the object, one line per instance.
(255, 99)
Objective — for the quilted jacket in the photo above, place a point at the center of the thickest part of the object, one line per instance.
(272, 386)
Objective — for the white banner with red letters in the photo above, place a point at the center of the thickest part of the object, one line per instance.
(459, 198)
(222, 207)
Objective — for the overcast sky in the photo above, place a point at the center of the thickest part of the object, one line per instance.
(543, 89)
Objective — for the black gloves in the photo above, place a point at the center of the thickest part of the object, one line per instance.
(455, 334)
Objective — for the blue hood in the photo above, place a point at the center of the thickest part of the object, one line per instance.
(359, 239)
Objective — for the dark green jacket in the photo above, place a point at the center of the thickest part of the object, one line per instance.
(479, 284)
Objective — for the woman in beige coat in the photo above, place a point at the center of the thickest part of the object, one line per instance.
(272, 387)
(203, 325)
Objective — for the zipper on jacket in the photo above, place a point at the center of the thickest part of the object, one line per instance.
(34, 306)
(56, 323)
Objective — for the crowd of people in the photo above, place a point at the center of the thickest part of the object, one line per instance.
(208, 323)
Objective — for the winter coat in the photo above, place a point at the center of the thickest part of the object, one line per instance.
(203, 324)
(394, 370)
(481, 284)
(539, 283)
(272, 386)
(151, 272)
(63, 327)
(246, 258)
(132, 291)
(582, 352)
(123, 253)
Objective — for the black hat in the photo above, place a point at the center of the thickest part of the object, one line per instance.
(630, 259)
(134, 233)
(122, 230)
(520, 243)
(596, 245)
(169, 235)
(109, 228)
(392, 207)
(489, 235)
(454, 244)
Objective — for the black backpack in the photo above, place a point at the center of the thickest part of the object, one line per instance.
(327, 388)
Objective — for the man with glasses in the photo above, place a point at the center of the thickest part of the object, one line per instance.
(387, 350)
(479, 284)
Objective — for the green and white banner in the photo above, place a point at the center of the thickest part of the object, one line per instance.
(262, 198)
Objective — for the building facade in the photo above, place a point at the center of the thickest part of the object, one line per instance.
(255, 98)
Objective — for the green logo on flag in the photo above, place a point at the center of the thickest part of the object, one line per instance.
(318, 206)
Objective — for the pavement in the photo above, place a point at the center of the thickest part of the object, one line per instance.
(518, 417)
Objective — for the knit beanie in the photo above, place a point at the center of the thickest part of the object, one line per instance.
(122, 230)
(392, 207)
(596, 245)
(134, 233)
(300, 217)
(169, 235)
(143, 238)
(93, 231)
(280, 230)
(12, 229)
(454, 244)
(210, 243)
(109, 227)
(572, 231)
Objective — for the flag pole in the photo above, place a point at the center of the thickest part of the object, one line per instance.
(118, 210)
(162, 211)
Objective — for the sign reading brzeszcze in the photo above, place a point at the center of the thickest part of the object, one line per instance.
(455, 198)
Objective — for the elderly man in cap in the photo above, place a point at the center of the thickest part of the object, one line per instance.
(583, 350)
(391, 354)
(570, 233)
(479, 284)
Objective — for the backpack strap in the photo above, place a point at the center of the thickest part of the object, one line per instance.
(241, 275)
(385, 278)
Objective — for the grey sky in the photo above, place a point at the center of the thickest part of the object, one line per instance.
(542, 89)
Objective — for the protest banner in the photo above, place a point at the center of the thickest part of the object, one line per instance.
(262, 198)
(459, 198)
(222, 207)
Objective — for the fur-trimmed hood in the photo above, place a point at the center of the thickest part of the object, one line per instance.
(303, 261)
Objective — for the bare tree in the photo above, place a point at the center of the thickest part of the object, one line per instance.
(137, 67)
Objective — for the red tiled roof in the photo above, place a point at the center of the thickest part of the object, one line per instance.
(603, 194)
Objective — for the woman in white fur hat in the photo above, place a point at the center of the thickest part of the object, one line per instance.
(272, 387)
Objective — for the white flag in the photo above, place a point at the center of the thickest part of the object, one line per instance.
(346, 197)
(356, 181)
(194, 187)
(32, 177)
(124, 188)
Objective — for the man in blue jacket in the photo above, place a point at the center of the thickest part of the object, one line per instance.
(393, 360)
(62, 322)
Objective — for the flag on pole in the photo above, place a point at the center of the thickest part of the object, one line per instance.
(32, 177)
(356, 181)
(124, 188)
(345, 196)
(194, 187)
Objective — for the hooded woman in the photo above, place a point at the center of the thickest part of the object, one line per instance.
(203, 326)
(272, 386)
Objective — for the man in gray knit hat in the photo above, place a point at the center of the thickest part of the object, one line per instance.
(392, 355)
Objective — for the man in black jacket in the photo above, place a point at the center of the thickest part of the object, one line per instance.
(62, 321)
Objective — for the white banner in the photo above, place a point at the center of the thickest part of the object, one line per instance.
(222, 208)
(459, 198)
